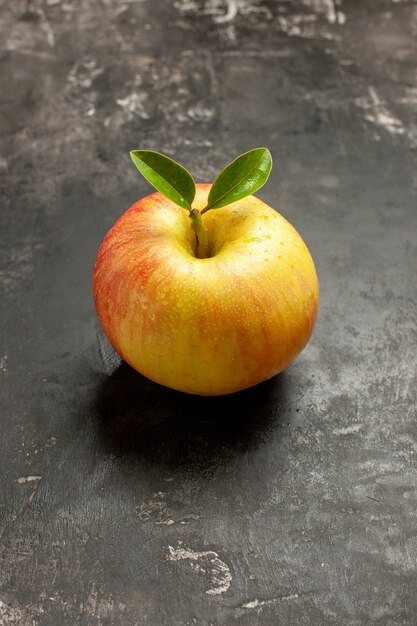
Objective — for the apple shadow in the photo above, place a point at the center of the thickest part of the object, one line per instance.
(139, 419)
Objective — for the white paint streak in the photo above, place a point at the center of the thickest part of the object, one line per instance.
(202, 143)
(410, 96)
(186, 6)
(306, 24)
(219, 572)
(378, 113)
(23, 480)
(47, 29)
(403, 481)
(223, 11)
(11, 47)
(232, 9)
(3, 363)
(197, 114)
(255, 54)
(10, 615)
(330, 11)
(258, 604)
(298, 25)
(156, 510)
(82, 74)
(327, 8)
(248, 7)
(341, 18)
(132, 105)
(348, 430)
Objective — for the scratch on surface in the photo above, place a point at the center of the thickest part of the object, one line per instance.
(34, 480)
(206, 562)
(19, 266)
(103, 607)
(261, 54)
(3, 363)
(374, 499)
(378, 113)
(404, 481)
(27, 52)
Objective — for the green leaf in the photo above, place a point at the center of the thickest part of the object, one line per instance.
(243, 176)
(166, 175)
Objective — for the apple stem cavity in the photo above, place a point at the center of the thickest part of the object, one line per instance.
(202, 247)
(242, 177)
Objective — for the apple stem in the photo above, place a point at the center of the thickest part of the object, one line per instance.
(200, 234)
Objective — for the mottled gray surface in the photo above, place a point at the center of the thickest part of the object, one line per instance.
(126, 503)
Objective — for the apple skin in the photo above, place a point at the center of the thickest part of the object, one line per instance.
(205, 326)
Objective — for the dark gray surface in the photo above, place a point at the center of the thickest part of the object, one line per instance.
(294, 502)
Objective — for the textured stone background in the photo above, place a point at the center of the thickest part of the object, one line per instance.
(294, 502)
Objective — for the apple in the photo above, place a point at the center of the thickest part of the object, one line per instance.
(213, 325)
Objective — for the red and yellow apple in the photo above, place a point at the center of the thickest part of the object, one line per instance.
(206, 326)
